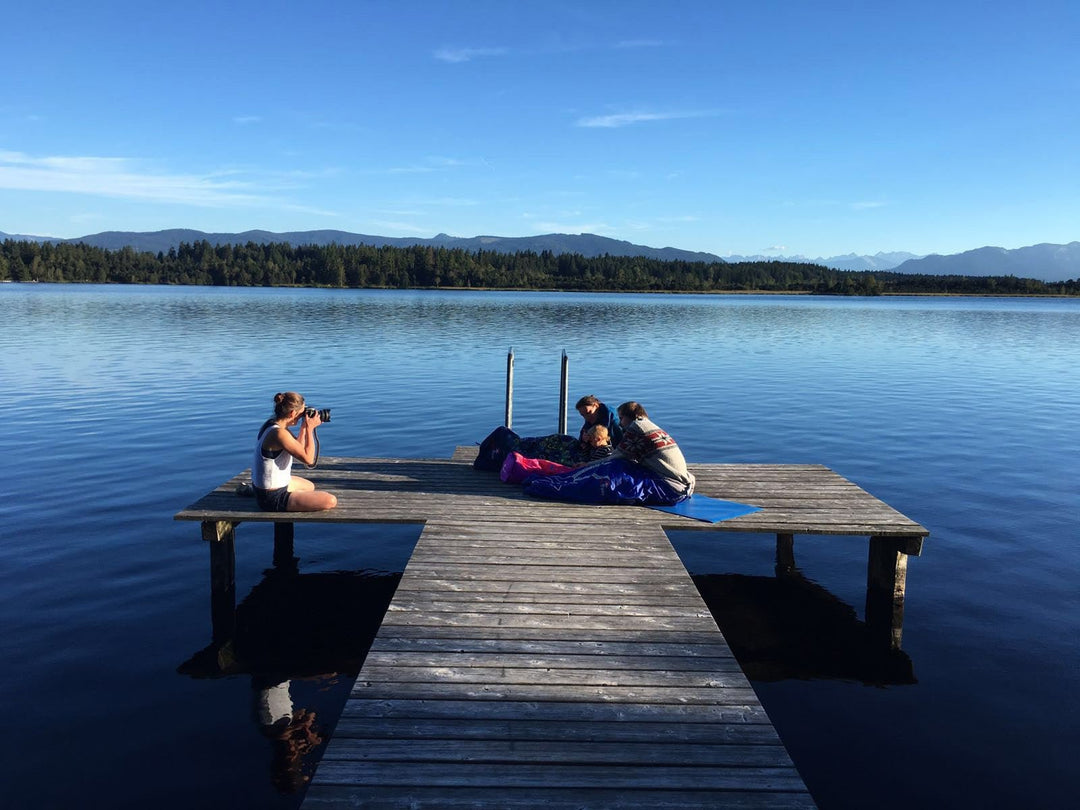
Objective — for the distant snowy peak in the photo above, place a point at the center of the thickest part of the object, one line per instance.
(849, 261)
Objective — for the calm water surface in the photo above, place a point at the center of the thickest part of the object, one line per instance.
(127, 404)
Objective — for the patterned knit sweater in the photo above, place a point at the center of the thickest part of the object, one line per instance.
(651, 446)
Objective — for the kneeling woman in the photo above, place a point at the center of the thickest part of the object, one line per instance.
(276, 488)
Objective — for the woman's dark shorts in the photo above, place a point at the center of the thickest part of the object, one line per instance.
(273, 500)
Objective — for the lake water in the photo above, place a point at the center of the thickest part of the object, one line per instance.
(128, 403)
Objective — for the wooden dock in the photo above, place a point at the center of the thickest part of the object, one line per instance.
(539, 653)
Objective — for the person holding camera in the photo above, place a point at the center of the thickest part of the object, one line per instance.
(276, 488)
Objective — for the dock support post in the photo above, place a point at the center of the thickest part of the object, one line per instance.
(509, 389)
(886, 581)
(785, 553)
(564, 388)
(221, 537)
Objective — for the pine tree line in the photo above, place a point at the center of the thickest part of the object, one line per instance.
(424, 267)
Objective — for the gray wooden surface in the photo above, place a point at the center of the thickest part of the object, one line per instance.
(546, 654)
(795, 498)
(526, 663)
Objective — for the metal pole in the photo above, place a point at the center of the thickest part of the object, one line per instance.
(564, 387)
(509, 388)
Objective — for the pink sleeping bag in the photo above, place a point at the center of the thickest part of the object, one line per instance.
(517, 468)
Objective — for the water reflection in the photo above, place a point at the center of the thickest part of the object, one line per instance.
(296, 736)
(302, 639)
(787, 627)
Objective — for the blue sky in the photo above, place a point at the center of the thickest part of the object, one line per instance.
(777, 128)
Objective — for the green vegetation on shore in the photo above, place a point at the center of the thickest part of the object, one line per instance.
(362, 266)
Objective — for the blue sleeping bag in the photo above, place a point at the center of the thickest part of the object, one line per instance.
(616, 481)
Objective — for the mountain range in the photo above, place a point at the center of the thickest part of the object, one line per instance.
(1045, 262)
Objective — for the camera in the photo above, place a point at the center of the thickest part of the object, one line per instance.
(322, 413)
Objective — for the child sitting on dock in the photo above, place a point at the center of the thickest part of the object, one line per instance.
(596, 442)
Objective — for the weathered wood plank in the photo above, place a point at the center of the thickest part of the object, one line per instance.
(515, 775)
(450, 797)
(549, 662)
(565, 617)
(433, 583)
(694, 639)
(378, 727)
(582, 610)
(629, 649)
(506, 673)
(569, 752)
(730, 714)
(517, 596)
(562, 693)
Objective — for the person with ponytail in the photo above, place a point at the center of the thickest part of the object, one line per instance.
(276, 488)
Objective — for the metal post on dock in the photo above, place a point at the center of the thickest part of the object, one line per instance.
(509, 388)
(564, 387)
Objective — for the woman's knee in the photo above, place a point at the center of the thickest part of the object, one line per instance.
(298, 484)
(312, 501)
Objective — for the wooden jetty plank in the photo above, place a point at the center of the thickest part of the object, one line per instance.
(438, 728)
(729, 721)
(507, 777)
(487, 603)
(535, 673)
(569, 752)
(634, 649)
(550, 798)
(550, 661)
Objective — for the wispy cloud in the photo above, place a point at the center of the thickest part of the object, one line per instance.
(679, 218)
(404, 212)
(445, 162)
(399, 227)
(434, 163)
(409, 170)
(627, 119)
(858, 205)
(456, 202)
(598, 228)
(458, 55)
(640, 43)
(131, 179)
(244, 120)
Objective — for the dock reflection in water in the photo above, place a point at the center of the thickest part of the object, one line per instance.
(302, 639)
(787, 627)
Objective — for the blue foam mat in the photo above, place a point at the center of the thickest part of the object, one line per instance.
(710, 510)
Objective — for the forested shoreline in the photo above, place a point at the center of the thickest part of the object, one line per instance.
(426, 267)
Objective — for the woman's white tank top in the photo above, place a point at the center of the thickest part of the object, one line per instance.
(270, 473)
